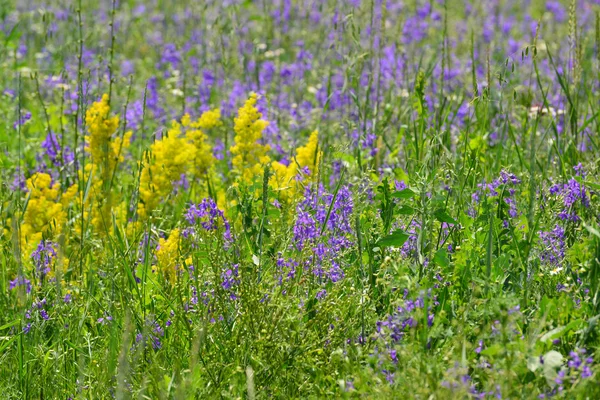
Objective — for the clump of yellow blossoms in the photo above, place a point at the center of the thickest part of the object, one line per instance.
(249, 155)
(203, 158)
(309, 156)
(45, 215)
(106, 152)
(167, 255)
(285, 179)
(173, 156)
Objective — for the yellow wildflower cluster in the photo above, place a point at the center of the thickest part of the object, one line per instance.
(203, 158)
(173, 156)
(285, 179)
(249, 155)
(167, 255)
(309, 155)
(45, 215)
(106, 152)
(170, 157)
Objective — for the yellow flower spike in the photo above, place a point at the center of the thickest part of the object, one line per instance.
(45, 214)
(203, 158)
(208, 120)
(309, 156)
(106, 150)
(249, 154)
(186, 120)
(167, 255)
(69, 195)
(173, 156)
(101, 128)
(170, 158)
(119, 145)
(285, 178)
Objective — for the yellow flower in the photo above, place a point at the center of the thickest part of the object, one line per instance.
(167, 255)
(309, 156)
(45, 215)
(208, 120)
(101, 128)
(175, 155)
(249, 154)
(203, 158)
(286, 179)
(169, 159)
(106, 152)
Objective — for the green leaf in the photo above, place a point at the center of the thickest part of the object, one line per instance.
(8, 325)
(592, 185)
(7, 343)
(492, 350)
(403, 194)
(273, 212)
(397, 239)
(405, 210)
(533, 363)
(552, 360)
(562, 330)
(441, 258)
(344, 157)
(443, 216)
(554, 333)
(591, 229)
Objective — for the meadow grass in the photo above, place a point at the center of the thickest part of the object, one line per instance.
(299, 199)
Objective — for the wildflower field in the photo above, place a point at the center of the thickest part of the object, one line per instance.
(299, 199)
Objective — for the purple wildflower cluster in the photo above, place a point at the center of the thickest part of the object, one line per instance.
(391, 330)
(323, 225)
(150, 336)
(458, 380)
(409, 248)
(43, 257)
(503, 187)
(394, 327)
(553, 246)
(58, 156)
(207, 294)
(573, 193)
(20, 281)
(578, 368)
(24, 118)
(366, 142)
(36, 313)
(286, 269)
(209, 217)
(230, 280)
(104, 320)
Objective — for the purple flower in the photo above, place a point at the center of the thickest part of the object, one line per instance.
(479, 348)
(25, 117)
(321, 294)
(43, 257)
(553, 246)
(229, 280)
(104, 320)
(20, 281)
(572, 193)
(209, 217)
